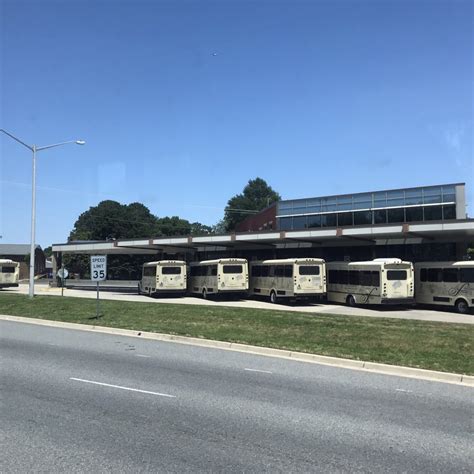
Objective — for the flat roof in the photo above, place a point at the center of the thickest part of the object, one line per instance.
(379, 234)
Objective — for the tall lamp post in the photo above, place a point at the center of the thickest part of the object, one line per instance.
(35, 149)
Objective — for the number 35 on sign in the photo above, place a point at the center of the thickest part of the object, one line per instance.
(98, 267)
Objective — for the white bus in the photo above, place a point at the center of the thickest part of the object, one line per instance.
(445, 283)
(380, 281)
(164, 276)
(288, 278)
(224, 275)
(9, 273)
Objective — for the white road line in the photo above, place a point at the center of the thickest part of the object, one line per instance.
(142, 355)
(403, 390)
(258, 370)
(123, 388)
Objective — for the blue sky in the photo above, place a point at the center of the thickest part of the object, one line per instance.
(181, 103)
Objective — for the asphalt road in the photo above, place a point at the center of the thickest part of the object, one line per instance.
(440, 313)
(75, 402)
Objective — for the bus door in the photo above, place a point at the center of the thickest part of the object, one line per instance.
(172, 277)
(232, 276)
(398, 282)
(309, 279)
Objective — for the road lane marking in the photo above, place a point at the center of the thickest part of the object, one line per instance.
(123, 388)
(403, 390)
(142, 355)
(258, 370)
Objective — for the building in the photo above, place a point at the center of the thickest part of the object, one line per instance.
(264, 220)
(421, 204)
(21, 253)
(427, 223)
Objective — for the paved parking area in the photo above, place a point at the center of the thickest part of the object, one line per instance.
(316, 308)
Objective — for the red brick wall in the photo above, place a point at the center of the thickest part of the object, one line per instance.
(264, 220)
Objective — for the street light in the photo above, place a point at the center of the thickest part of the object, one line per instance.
(35, 149)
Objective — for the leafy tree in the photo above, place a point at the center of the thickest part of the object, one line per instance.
(257, 195)
(48, 251)
(200, 229)
(110, 220)
(470, 251)
(172, 226)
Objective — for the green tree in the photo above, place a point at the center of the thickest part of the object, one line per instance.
(257, 195)
(48, 251)
(200, 229)
(110, 220)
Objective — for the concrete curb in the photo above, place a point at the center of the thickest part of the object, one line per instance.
(386, 369)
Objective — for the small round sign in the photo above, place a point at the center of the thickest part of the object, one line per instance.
(63, 273)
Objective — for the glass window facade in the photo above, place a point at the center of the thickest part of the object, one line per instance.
(431, 203)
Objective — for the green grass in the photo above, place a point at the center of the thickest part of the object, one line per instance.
(427, 345)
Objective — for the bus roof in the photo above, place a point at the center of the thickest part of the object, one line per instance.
(376, 262)
(164, 262)
(220, 260)
(6, 261)
(289, 260)
(461, 263)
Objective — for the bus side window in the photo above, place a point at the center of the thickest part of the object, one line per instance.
(450, 275)
(435, 275)
(375, 278)
(214, 270)
(288, 270)
(333, 276)
(256, 270)
(265, 270)
(354, 277)
(423, 275)
(467, 275)
(271, 271)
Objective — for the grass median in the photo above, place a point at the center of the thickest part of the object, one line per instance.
(429, 345)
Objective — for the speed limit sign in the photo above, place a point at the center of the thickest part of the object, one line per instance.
(98, 267)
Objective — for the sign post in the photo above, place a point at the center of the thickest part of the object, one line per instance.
(63, 274)
(98, 273)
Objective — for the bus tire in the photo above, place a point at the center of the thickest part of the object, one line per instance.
(204, 294)
(350, 301)
(273, 297)
(461, 306)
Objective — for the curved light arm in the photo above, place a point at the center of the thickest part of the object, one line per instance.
(77, 142)
(16, 139)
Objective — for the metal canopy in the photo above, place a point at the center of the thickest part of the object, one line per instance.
(459, 230)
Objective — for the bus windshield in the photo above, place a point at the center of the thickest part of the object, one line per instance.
(309, 269)
(232, 269)
(8, 269)
(171, 270)
(396, 275)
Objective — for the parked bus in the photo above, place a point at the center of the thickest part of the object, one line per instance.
(9, 273)
(445, 283)
(380, 281)
(288, 278)
(164, 276)
(224, 275)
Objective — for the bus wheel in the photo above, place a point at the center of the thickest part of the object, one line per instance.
(350, 300)
(461, 307)
(204, 294)
(273, 297)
